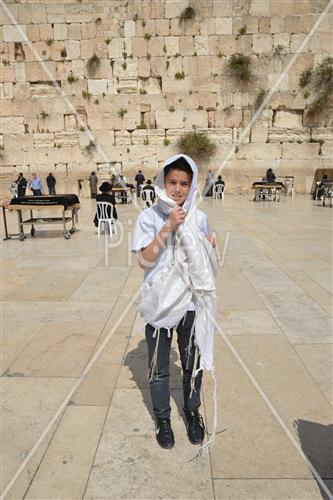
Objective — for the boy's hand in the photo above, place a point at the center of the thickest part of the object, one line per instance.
(177, 217)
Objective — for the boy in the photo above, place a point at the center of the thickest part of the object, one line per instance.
(154, 241)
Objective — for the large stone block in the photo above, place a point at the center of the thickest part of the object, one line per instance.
(226, 44)
(74, 31)
(43, 140)
(129, 29)
(323, 134)
(12, 125)
(45, 31)
(223, 25)
(51, 123)
(219, 136)
(14, 34)
(88, 30)
(175, 66)
(233, 117)
(60, 31)
(259, 133)
(7, 90)
(177, 28)
(38, 13)
(201, 45)
(190, 66)
(155, 46)
(122, 138)
(126, 69)
(207, 26)
(70, 123)
(300, 151)
(98, 87)
(56, 13)
(170, 84)
(66, 139)
(19, 69)
(261, 7)
(277, 24)
(173, 8)
(168, 119)
(222, 8)
(139, 136)
(262, 43)
(205, 65)
(259, 152)
(287, 119)
(156, 136)
(127, 86)
(273, 79)
(162, 27)
(72, 49)
(139, 47)
(143, 68)
(196, 118)
(288, 135)
(116, 48)
(172, 45)
(33, 32)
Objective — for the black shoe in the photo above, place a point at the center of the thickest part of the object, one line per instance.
(195, 426)
(164, 434)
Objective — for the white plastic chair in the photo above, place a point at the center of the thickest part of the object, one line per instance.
(148, 195)
(105, 216)
(219, 191)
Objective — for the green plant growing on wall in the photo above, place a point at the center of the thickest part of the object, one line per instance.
(125, 55)
(143, 91)
(320, 80)
(305, 78)
(82, 129)
(166, 142)
(180, 75)
(200, 108)
(146, 141)
(143, 23)
(148, 57)
(187, 14)
(306, 94)
(135, 17)
(98, 20)
(5, 62)
(122, 112)
(49, 42)
(142, 125)
(44, 115)
(196, 144)
(167, 64)
(124, 66)
(220, 55)
(93, 64)
(242, 30)
(240, 67)
(172, 109)
(96, 101)
(71, 78)
(164, 49)
(108, 41)
(86, 95)
(147, 36)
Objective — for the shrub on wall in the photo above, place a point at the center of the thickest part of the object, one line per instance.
(196, 144)
(240, 67)
(320, 82)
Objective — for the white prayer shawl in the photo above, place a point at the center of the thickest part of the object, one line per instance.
(189, 277)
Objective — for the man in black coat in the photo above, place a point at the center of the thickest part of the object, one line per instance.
(139, 179)
(51, 183)
(21, 185)
(106, 190)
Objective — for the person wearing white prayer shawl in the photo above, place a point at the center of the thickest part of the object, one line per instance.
(175, 249)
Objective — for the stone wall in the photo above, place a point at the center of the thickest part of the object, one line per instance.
(115, 65)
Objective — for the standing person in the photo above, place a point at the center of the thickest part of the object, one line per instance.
(21, 185)
(51, 183)
(36, 185)
(171, 232)
(106, 189)
(93, 180)
(139, 179)
(209, 183)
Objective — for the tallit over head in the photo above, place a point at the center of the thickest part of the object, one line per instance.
(189, 277)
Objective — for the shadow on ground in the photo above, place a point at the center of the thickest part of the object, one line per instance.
(317, 444)
(137, 361)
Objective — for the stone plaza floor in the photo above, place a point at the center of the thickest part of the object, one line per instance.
(92, 436)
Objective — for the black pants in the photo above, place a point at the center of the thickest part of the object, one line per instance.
(159, 386)
(36, 192)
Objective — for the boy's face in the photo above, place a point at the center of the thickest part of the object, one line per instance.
(177, 185)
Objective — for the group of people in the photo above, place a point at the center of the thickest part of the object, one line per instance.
(19, 187)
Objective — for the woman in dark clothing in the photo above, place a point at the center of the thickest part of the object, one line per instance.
(270, 176)
(106, 195)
